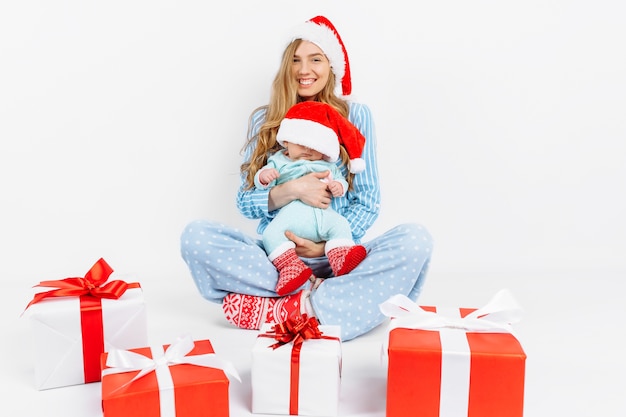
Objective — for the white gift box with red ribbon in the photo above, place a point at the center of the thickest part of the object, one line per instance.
(71, 326)
(312, 380)
(454, 362)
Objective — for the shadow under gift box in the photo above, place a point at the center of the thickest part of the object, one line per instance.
(415, 360)
(198, 391)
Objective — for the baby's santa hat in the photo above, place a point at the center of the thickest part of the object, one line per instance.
(319, 126)
(320, 31)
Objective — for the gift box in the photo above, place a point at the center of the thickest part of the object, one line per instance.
(294, 373)
(184, 379)
(73, 324)
(454, 362)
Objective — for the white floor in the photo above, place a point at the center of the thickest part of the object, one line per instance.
(573, 334)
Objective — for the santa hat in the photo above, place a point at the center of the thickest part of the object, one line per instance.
(319, 126)
(322, 33)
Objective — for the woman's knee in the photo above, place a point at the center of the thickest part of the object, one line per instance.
(421, 233)
(417, 234)
(411, 229)
(194, 235)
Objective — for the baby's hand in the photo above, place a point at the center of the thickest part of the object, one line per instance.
(335, 188)
(268, 175)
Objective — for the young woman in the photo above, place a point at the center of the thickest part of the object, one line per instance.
(231, 268)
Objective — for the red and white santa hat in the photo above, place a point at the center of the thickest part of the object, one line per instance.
(320, 31)
(319, 126)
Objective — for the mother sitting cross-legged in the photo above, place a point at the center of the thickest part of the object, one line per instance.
(232, 268)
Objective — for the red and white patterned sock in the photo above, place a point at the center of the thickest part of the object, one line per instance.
(251, 311)
(293, 273)
(345, 258)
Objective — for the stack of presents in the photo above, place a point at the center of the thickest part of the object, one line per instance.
(440, 362)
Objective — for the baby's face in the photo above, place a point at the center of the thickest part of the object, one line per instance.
(297, 152)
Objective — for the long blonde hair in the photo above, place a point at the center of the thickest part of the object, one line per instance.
(284, 94)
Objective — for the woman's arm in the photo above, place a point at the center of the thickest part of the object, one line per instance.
(361, 205)
(252, 203)
(308, 189)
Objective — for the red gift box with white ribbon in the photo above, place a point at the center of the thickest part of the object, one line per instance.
(183, 379)
(296, 372)
(458, 362)
(79, 319)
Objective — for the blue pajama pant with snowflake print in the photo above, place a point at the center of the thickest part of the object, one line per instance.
(223, 260)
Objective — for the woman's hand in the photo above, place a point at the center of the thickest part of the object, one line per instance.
(308, 189)
(313, 191)
(306, 248)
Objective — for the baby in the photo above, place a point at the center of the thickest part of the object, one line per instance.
(312, 134)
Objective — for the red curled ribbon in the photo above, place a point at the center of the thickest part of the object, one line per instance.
(91, 289)
(297, 328)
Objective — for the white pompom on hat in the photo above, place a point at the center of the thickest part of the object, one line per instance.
(320, 31)
(319, 126)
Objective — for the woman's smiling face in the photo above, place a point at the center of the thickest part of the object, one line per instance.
(311, 70)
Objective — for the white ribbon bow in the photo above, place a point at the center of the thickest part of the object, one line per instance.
(495, 317)
(120, 361)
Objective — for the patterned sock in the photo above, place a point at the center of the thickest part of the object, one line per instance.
(251, 311)
(293, 273)
(345, 258)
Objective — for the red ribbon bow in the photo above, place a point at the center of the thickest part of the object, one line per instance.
(91, 283)
(297, 328)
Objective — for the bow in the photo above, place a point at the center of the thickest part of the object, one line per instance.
(297, 328)
(495, 317)
(93, 283)
(120, 361)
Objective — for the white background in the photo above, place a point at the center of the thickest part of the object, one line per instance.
(501, 127)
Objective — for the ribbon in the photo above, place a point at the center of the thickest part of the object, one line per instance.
(121, 361)
(296, 329)
(90, 284)
(90, 290)
(495, 317)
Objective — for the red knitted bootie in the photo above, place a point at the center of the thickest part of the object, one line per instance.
(251, 311)
(293, 273)
(345, 258)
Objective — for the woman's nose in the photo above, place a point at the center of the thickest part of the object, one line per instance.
(303, 68)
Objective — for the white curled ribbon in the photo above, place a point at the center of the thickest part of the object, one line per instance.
(121, 361)
(495, 317)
